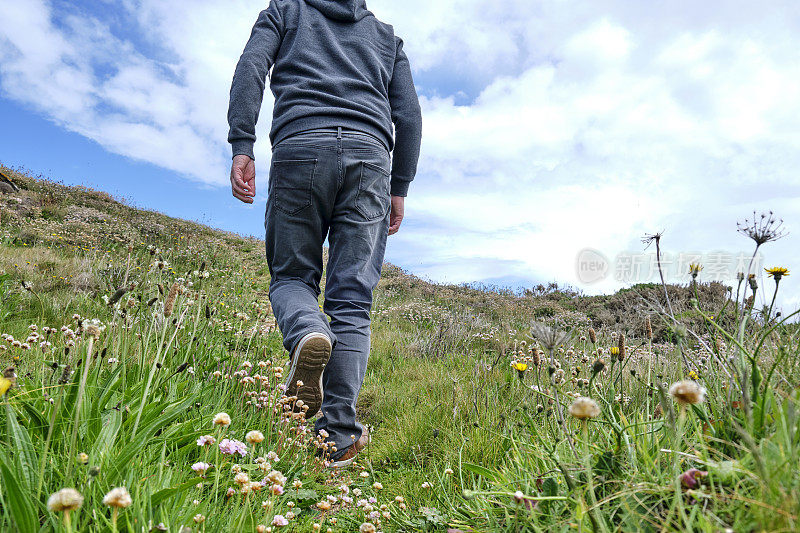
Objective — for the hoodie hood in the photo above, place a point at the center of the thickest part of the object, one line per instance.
(343, 10)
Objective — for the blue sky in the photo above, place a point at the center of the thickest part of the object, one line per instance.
(550, 126)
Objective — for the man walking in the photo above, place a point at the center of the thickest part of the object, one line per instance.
(344, 100)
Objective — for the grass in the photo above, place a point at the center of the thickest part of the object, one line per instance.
(139, 328)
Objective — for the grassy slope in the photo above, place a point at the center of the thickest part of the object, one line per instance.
(439, 391)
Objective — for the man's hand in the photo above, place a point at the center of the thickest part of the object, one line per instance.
(396, 216)
(243, 178)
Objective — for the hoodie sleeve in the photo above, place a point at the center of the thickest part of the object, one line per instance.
(247, 89)
(407, 118)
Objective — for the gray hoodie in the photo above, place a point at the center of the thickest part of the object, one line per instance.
(333, 64)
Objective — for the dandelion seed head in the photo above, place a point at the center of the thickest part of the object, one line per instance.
(687, 392)
(118, 497)
(584, 408)
(65, 500)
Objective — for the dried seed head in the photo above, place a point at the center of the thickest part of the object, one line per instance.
(621, 346)
(687, 392)
(762, 229)
(117, 295)
(648, 327)
(118, 497)
(64, 500)
(254, 437)
(592, 336)
(584, 408)
(222, 419)
(93, 328)
(169, 304)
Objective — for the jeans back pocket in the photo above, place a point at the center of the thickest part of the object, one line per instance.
(372, 200)
(291, 182)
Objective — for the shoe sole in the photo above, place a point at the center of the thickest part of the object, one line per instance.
(343, 464)
(348, 462)
(308, 364)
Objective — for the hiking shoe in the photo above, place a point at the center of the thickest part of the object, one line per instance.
(352, 451)
(308, 362)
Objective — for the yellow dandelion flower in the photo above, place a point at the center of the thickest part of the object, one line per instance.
(777, 272)
(520, 367)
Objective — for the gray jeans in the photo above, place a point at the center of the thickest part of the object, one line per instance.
(334, 184)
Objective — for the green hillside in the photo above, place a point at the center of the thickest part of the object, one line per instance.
(125, 331)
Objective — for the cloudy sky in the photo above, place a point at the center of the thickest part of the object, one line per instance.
(553, 129)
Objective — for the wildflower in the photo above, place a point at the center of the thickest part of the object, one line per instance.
(222, 419)
(690, 478)
(598, 366)
(199, 519)
(687, 392)
(93, 328)
(242, 478)
(519, 367)
(324, 505)
(231, 447)
(364, 474)
(7, 380)
(83, 458)
(377, 485)
(206, 440)
(448, 471)
(272, 456)
(529, 504)
(277, 478)
(65, 500)
(584, 408)
(201, 468)
(367, 527)
(777, 273)
(280, 521)
(426, 485)
(118, 497)
(694, 269)
(254, 437)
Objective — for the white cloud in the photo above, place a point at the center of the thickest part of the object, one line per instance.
(586, 124)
